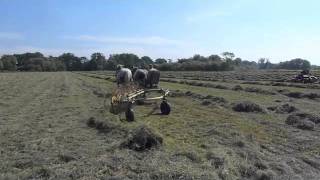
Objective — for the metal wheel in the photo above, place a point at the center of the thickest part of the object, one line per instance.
(129, 115)
(165, 108)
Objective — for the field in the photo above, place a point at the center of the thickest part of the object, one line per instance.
(223, 125)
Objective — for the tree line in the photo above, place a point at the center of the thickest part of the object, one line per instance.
(70, 62)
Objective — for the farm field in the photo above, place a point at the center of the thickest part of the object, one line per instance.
(228, 125)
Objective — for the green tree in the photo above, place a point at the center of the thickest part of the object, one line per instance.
(215, 58)
(23, 58)
(297, 63)
(160, 61)
(97, 62)
(128, 60)
(9, 62)
(228, 55)
(237, 61)
(71, 62)
(147, 60)
(1, 65)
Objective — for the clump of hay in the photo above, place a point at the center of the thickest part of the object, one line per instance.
(306, 125)
(264, 175)
(303, 121)
(237, 88)
(189, 93)
(142, 138)
(206, 102)
(221, 87)
(218, 99)
(247, 106)
(285, 108)
(216, 160)
(176, 93)
(191, 155)
(98, 93)
(101, 126)
(91, 122)
(66, 157)
(258, 90)
(310, 117)
(312, 95)
(294, 94)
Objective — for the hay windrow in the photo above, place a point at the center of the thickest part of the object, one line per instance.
(247, 106)
(142, 138)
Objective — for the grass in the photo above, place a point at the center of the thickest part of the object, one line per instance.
(44, 132)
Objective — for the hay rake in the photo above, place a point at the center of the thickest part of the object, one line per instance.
(124, 102)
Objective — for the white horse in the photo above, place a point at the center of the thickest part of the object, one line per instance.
(123, 75)
(153, 78)
(140, 76)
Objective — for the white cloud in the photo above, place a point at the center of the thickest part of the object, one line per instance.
(11, 35)
(152, 40)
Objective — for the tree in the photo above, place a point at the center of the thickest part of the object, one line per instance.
(214, 58)
(237, 61)
(71, 62)
(160, 61)
(34, 64)
(147, 60)
(9, 62)
(128, 60)
(23, 58)
(297, 63)
(228, 55)
(264, 63)
(97, 61)
(1, 65)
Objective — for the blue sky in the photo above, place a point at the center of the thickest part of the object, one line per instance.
(275, 29)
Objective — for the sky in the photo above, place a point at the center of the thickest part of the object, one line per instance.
(276, 29)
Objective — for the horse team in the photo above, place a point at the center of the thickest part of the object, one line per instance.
(143, 77)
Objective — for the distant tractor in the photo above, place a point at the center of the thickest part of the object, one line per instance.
(305, 77)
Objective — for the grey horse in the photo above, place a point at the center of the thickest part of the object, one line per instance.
(123, 75)
(153, 78)
(140, 76)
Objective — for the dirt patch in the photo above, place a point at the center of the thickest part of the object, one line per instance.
(247, 106)
(142, 138)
